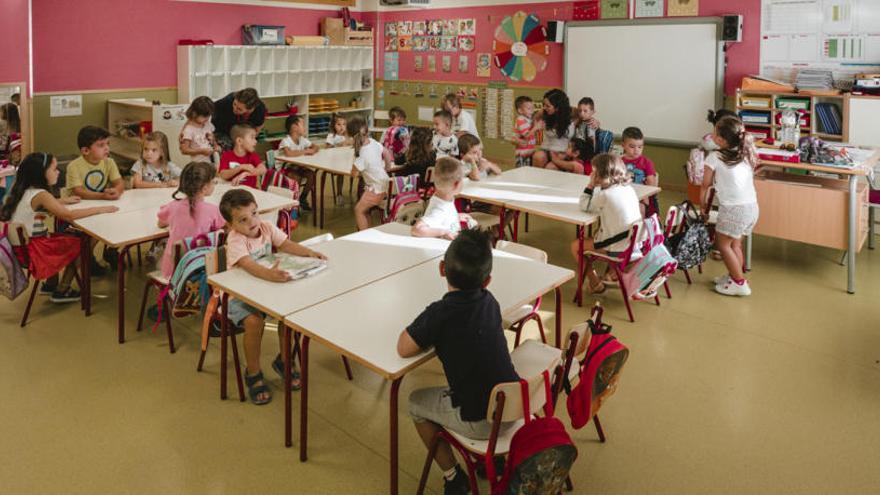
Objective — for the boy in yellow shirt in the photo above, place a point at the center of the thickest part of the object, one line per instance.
(94, 175)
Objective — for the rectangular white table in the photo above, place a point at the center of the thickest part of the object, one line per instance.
(545, 193)
(135, 223)
(327, 161)
(364, 324)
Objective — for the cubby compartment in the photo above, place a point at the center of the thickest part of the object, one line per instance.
(306, 79)
(199, 85)
(216, 56)
(308, 58)
(319, 82)
(365, 56)
(237, 80)
(281, 59)
(267, 85)
(198, 59)
(281, 84)
(267, 60)
(216, 86)
(294, 82)
(251, 81)
(294, 58)
(252, 59)
(235, 59)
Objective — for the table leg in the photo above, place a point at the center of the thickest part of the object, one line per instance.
(224, 332)
(86, 262)
(579, 297)
(853, 236)
(871, 227)
(313, 187)
(120, 304)
(304, 400)
(558, 293)
(285, 353)
(501, 224)
(321, 196)
(395, 389)
(516, 227)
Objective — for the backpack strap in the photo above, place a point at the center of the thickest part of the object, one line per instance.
(548, 403)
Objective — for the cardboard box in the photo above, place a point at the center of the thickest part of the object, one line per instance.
(358, 38)
(334, 29)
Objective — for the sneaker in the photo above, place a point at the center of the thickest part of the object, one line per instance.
(458, 485)
(68, 296)
(732, 288)
(304, 205)
(47, 290)
(721, 280)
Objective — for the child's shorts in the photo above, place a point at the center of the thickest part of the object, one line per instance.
(238, 310)
(737, 220)
(435, 405)
(370, 198)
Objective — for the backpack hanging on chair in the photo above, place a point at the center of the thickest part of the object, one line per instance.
(689, 246)
(541, 452)
(406, 205)
(599, 372)
(188, 289)
(647, 274)
(12, 278)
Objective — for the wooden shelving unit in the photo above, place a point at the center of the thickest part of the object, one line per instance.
(166, 118)
(772, 110)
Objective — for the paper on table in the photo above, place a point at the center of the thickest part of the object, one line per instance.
(297, 266)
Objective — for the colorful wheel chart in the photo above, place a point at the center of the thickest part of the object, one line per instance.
(521, 46)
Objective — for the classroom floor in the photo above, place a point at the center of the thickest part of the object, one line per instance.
(775, 393)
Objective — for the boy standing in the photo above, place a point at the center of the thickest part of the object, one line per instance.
(396, 138)
(240, 164)
(524, 132)
(639, 167)
(94, 175)
(465, 330)
(445, 142)
(441, 218)
(251, 238)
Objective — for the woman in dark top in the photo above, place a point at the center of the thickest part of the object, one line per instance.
(241, 107)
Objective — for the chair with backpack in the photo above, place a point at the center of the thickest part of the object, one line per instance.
(687, 237)
(516, 319)
(643, 267)
(539, 452)
(186, 292)
(14, 260)
(594, 360)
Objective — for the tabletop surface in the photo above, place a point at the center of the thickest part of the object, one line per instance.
(353, 261)
(365, 323)
(334, 160)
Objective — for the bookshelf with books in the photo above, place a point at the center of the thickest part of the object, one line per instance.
(821, 116)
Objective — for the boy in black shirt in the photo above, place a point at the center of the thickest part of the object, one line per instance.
(465, 330)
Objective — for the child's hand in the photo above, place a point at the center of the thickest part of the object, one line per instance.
(171, 183)
(315, 254)
(450, 235)
(108, 209)
(238, 178)
(310, 151)
(71, 200)
(593, 123)
(111, 194)
(276, 275)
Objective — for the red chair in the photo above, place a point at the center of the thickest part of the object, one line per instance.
(516, 319)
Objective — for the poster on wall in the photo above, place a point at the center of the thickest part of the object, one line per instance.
(432, 63)
(463, 64)
(420, 28)
(649, 8)
(392, 66)
(683, 8)
(420, 44)
(466, 43)
(391, 44)
(404, 28)
(418, 63)
(612, 9)
(585, 11)
(390, 29)
(65, 105)
(467, 27)
(447, 63)
(404, 43)
(484, 64)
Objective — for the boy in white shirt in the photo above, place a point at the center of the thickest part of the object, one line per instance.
(462, 122)
(295, 143)
(441, 218)
(445, 142)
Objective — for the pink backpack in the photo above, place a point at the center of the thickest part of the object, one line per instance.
(541, 452)
(13, 281)
(406, 204)
(599, 372)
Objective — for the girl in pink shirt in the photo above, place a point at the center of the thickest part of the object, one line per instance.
(192, 215)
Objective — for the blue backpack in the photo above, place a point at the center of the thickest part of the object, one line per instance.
(188, 290)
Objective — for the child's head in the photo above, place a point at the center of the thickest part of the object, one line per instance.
(448, 175)
(16, 98)
(239, 209)
(470, 148)
(200, 110)
(196, 180)
(443, 123)
(37, 170)
(154, 148)
(715, 115)
(452, 104)
(245, 137)
(359, 132)
(582, 149)
(295, 125)
(586, 109)
(338, 122)
(397, 116)
(609, 169)
(420, 146)
(94, 143)
(245, 101)
(467, 264)
(9, 113)
(633, 142)
(735, 143)
(524, 106)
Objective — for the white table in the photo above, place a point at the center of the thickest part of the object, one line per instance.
(384, 308)
(328, 161)
(546, 193)
(135, 223)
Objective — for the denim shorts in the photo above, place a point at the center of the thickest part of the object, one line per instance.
(238, 310)
(435, 405)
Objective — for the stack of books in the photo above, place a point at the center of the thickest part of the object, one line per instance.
(814, 79)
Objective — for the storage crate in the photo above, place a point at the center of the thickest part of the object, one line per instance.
(793, 103)
(257, 34)
(358, 38)
(755, 101)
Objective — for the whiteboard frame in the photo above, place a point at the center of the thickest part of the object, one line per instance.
(719, 57)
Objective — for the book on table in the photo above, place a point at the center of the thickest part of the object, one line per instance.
(296, 266)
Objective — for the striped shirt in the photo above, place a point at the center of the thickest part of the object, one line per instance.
(526, 142)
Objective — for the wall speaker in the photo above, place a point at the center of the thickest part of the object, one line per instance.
(556, 31)
(732, 28)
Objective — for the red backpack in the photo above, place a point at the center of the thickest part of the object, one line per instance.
(541, 452)
(599, 372)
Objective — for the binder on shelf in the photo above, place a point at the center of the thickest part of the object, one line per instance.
(750, 117)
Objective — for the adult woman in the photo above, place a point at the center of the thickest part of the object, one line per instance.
(558, 128)
(241, 107)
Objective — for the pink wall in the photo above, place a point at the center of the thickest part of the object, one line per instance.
(742, 57)
(14, 40)
(108, 44)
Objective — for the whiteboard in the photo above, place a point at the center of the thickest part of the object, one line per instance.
(660, 75)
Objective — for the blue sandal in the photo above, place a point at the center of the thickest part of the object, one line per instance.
(255, 390)
(295, 379)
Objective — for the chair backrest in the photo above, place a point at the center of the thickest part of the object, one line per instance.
(522, 250)
(513, 399)
(16, 233)
(429, 175)
(318, 239)
(271, 163)
(673, 220)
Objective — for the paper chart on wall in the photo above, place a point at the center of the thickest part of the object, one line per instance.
(839, 35)
(392, 66)
(490, 113)
(649, 8)
(507, 113)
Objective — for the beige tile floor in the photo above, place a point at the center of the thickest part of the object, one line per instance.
(775, 393)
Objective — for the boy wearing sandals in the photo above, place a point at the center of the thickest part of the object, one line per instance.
(251, 238)
(465, 330)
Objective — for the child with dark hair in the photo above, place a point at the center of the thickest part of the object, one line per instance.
(465, 330)
(242, 165)
(94, 175)
(420, 155)
(445, 141)
(577, 158)
(197, 136)
(524, 131)
(462, 122)
(396, 138)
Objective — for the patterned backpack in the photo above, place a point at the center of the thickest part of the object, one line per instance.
(691, 244)
(647, 274)
(188, 289)
(406, 205)
(12, 278)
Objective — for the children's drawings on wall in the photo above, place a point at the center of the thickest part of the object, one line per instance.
(615, 9)
(683, 8)
(437, 35)
(432, 63)
(484, 64)
(418, 63)
(466, 43)
(447, 63)
(463, 64)
(649, 8)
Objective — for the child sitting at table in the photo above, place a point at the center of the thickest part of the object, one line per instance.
(369, 163)
(576, 159)
(441, 218)
(464, 328)
(29, 203)
(154, 169)
(241, 165)
(462, 122)
(475, 166)
(251, 238)
(419, 156)
(337, 135)
(94, 175)
(610, 195)
(396, 138)
(445, 142)
(295, 143)
(525, 134)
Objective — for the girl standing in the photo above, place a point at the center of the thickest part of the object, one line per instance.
(197, 136)
(369, 163)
